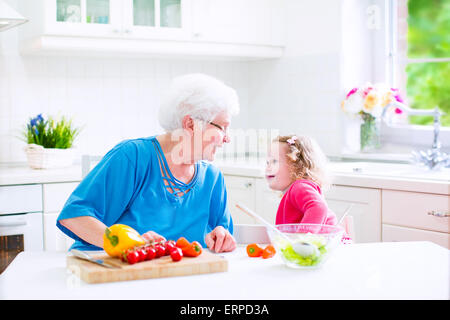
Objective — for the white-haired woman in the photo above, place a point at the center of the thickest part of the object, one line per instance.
(160, 185)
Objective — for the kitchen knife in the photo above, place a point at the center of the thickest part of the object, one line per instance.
(85, 256)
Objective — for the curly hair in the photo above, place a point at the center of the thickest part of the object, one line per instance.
(306, 159)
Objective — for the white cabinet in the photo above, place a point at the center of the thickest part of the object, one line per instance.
(414, 216)
(366, 210)
(55, 196)
(161, 19)
(240, 190)
(240, 29)
(239, 21)
(254, 194)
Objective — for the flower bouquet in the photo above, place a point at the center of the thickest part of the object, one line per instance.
(367, 103)
(50, 142)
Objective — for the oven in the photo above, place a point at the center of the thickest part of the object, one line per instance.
(21, 221)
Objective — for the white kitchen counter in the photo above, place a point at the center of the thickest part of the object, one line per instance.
(404, 177)
(397, 270)
(359, 174)
(14, 174)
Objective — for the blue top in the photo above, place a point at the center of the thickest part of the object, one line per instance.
(127, 186)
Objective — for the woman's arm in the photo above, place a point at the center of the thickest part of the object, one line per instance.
(87, 228)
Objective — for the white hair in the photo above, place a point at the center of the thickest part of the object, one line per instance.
(198, 95)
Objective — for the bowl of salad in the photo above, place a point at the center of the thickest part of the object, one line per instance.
(306, 245)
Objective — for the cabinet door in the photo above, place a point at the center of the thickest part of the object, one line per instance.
(83, 17)
(240, 190)
(238, 21)
(56, 195)
(396, 233)
(54, 239)
(157, 19)
(267, 200)
(366, 211)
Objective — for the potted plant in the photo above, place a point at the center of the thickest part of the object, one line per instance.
(366, 105)
(50, 142)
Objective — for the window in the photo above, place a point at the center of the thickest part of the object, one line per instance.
(417, 45)
(420, 53)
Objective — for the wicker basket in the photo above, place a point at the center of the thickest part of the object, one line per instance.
(47, 158)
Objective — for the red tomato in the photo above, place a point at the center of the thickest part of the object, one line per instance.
(142, 254)
(132, 257)
(176, 254)
(169, 246)
(151, 253)
(160, 250)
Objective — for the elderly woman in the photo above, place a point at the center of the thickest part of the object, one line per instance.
(161, 186)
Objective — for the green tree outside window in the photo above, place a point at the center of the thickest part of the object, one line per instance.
(428, 83)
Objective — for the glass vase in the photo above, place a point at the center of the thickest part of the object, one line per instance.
(370, 133)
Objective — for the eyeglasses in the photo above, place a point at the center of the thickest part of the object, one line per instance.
(224, 131)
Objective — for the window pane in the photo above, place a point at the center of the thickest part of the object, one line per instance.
(171, 13)
(428, 85)
(144, 13)
(428, 28)
(68, 10)
(97, 11)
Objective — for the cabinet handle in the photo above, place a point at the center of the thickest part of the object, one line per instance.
(440, 214)
(116, 30)
(13, 224)
(127, 31)
(248, 184)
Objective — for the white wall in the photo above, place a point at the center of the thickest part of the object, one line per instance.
(118, 98)
(301, 92)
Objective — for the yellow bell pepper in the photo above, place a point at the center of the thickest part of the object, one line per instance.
(120, 237)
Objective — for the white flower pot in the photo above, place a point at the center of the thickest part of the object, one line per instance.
(48, 158)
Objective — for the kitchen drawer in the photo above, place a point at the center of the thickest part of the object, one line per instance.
(416, 210)
(56, 195)
(396, 233)
(20, 199)
(244, 183)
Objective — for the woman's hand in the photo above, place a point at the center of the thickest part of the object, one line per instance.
(220, 240)
(153, 236)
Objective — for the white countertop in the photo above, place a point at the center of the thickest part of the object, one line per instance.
(405, 177)
(12, 174)
(359, 174)
(397, 270)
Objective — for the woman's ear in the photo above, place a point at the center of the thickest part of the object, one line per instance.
(188, 124)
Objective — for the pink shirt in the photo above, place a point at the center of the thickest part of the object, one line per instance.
(303, 203)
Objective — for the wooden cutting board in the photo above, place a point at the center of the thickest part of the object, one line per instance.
(161, 267)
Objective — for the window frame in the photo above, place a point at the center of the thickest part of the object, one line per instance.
(395, 62)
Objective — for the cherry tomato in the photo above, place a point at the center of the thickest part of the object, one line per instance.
(132, 257)
(176, 254)
(268, 252)
(151, 253)
(169, 246)
(160, 250)
(142, 254)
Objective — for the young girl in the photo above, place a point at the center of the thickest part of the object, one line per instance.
(297, 166)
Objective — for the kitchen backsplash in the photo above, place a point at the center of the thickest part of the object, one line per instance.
(118, 98)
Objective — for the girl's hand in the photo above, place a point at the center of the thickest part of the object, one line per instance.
(153, 236)
(220, 240)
